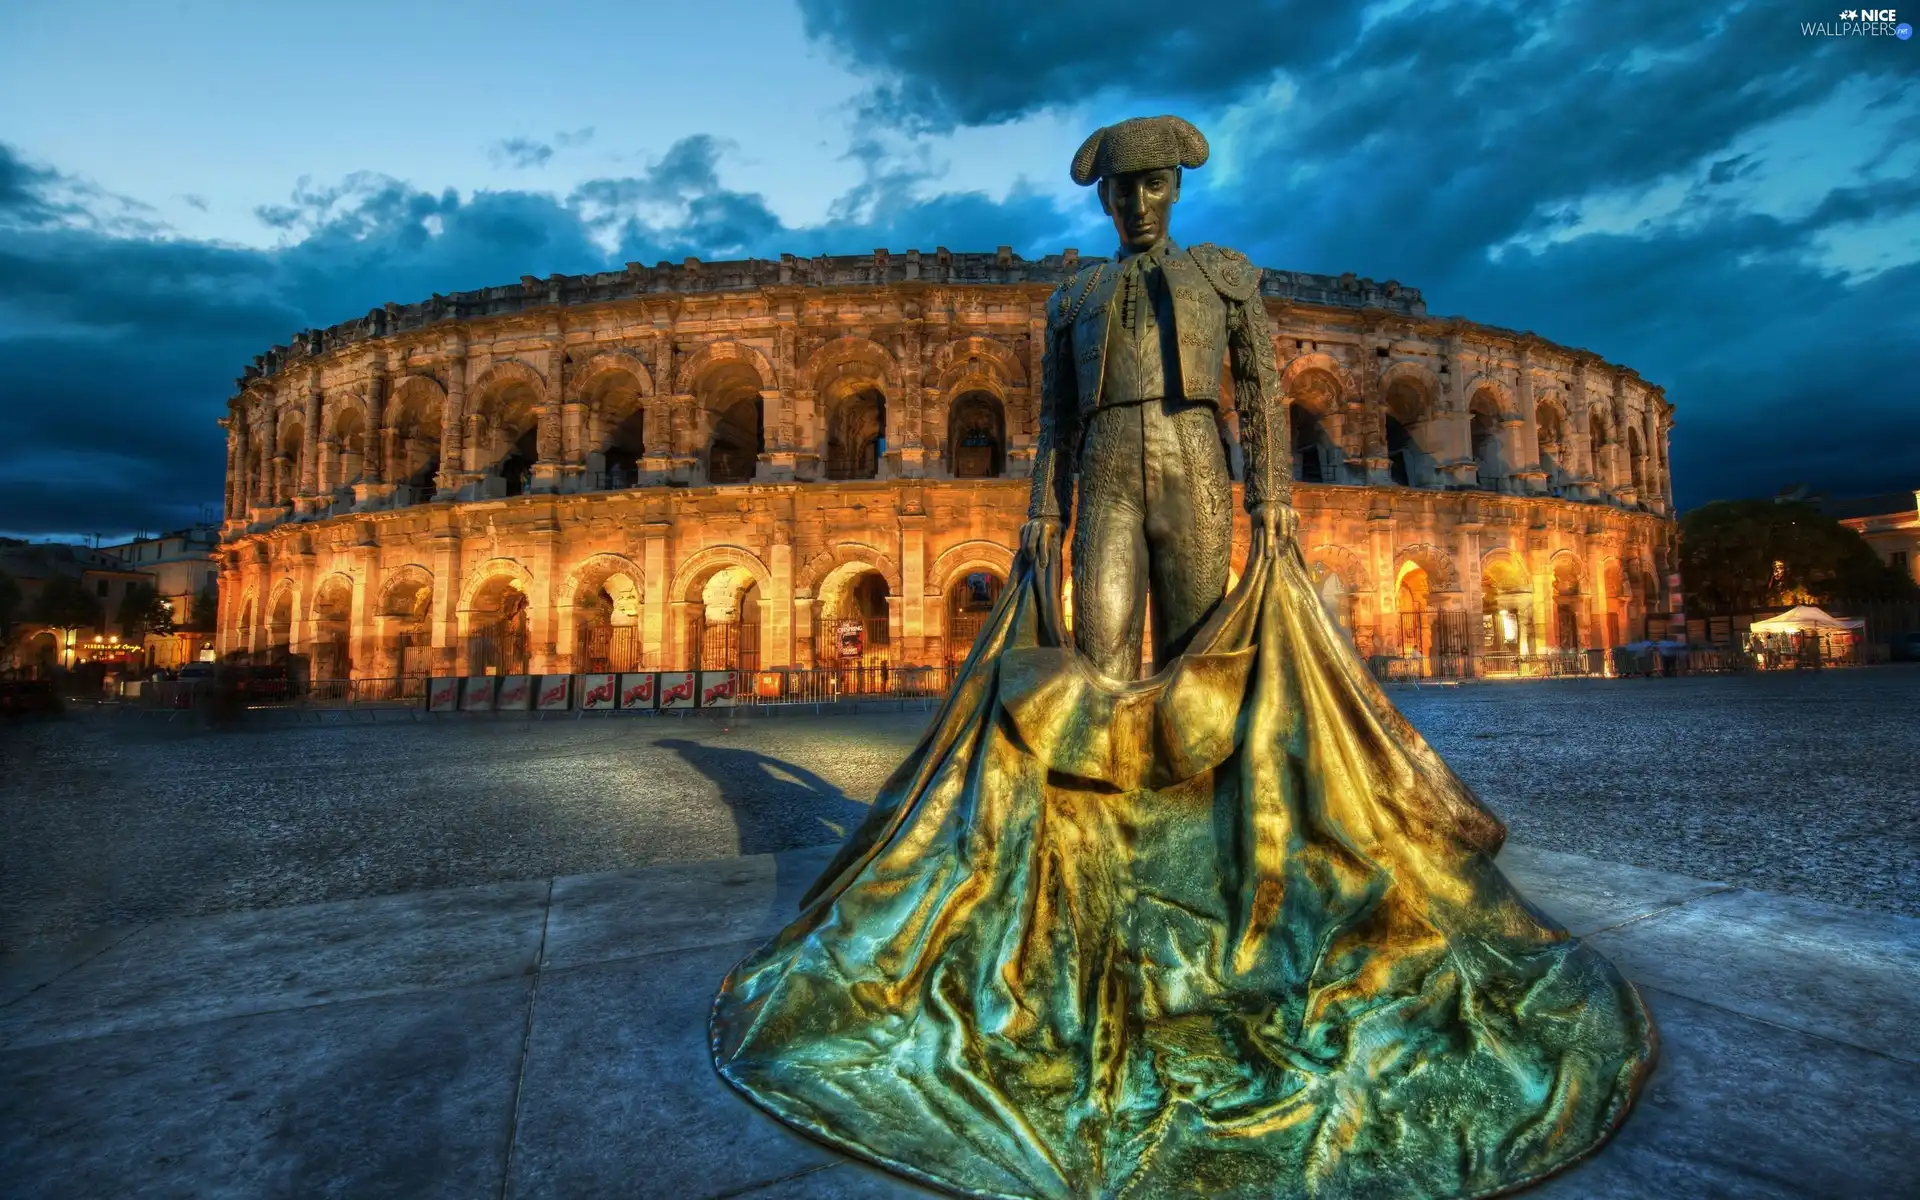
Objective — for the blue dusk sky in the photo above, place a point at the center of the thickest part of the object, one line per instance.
(1709, 194)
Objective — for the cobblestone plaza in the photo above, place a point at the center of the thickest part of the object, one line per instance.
(1803, 784)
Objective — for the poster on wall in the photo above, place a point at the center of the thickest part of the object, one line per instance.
(853, 638)
(477, 696)
(599, 691)
(516, 694)
(638, 691)
(443, 695)
(677, 689)
(554, 693)
(717, 689)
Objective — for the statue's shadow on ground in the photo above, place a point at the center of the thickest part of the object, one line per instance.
(776, 805)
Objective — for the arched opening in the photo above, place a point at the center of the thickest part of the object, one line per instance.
(1551, 429)
(723, 623)
(735, 452)
(259, 474)
(406, 614)
(1413, 609)
(332, 625)
(287, 465)
(856, 434)
(970, 600)
(346, 453)
(280, 625)
(413, 463)
(1405, 410)
(606, 625)
(1506, 611)
(1313, 457)
(1636, 461)
(508, 438)
(1566, 604)
(730, 392)
(498, 640)
(616, 436)
(1335, 596)
(976, 437)
(853, 628)
(1483, 425)
(1597, 442)
(516, 469)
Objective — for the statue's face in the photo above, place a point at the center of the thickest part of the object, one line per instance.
(1140, 204)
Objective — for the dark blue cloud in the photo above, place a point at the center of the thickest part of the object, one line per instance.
(520, 152)
(1451, 146)
(1426, 142)
(122, 349)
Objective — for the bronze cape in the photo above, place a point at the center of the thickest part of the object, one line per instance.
(1234, 930)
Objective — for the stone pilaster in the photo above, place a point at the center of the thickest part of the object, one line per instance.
(453, 426)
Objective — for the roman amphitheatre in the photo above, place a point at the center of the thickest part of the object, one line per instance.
(823, 462)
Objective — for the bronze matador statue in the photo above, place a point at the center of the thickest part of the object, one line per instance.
(1230, 930)
(1132, 382)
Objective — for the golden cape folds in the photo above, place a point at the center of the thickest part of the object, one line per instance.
(1235, 930)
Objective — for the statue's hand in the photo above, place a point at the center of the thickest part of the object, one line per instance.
(1039, 537)
(1273, 525)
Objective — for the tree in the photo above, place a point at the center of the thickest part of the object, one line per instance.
(141, 612)
(205, 616)
(1737, 556)
(65, 603)
(9, 608)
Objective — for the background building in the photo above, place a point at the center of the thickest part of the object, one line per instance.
(824, 461)
(180, 564)
(1890, 523)
(39, 646)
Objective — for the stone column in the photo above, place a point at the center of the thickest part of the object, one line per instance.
(1622, 465)
(573, 437)
(1456, 466)
(1529, 473)
(654, 638)
(1655, 489)
(453, 425)
(1386, 634)
(680, 655)
(773, 463)
(373, 470)
(776, 628)
(310, 442)
(233, 463)
(803, 647)
(540, 600)
(363, 624)
(1467, 540)
(911, 611)
(445, 549)
(550, 440)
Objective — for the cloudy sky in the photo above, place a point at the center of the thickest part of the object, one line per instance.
(1702, 192)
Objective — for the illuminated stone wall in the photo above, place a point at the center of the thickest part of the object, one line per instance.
(641, 465)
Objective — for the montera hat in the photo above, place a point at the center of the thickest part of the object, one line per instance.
(1139, 144)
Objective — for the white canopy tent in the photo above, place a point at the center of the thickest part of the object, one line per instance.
(1807, 619)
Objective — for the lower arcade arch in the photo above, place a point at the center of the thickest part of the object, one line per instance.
(404, 625)
(853, 618)
(969, 601)
(330, 642)
(498, 627)
(600, 617)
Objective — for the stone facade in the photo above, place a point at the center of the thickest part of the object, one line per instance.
(799, 462)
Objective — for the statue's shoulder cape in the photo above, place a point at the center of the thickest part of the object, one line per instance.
(1064, 305)
(1231, 273)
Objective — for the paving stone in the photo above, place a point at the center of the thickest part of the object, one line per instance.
(1741, 1109)
(179, 972)
(37, 966)
(404, 1096)
(626, 914)
(1588, 894)
(620, 1095)
(1840, 973)
(842, 1181)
